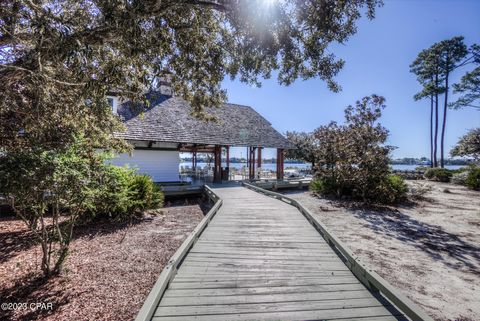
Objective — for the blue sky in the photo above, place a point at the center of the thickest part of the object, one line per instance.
(377, 61)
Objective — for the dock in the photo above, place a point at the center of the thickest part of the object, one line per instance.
(256, 256)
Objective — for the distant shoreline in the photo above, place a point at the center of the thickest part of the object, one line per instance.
(448, 162)
(272, 166)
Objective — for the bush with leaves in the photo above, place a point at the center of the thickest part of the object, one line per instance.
(438, 174)
(459, 178)
(468, 145)
(473, 178)
(50, 190)
(393, 190)
(469, 177)
(304, 146)
(145, 193)
(353, 160)
(122, 194)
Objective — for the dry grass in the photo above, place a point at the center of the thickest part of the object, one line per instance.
(110, 270)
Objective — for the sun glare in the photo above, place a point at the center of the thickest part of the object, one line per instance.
(269, 3)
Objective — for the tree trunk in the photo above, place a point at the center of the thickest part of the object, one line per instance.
(431, 130)
(445, 105)
(435, 144)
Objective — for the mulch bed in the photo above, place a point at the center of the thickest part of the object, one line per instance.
(108, 274)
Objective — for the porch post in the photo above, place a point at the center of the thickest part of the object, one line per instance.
(227, 148)
(228, 156)
(217, 170)
(248, 160)
(279, 163)
(253, 162)
(251, 168)
(259, 160)
(194, 158)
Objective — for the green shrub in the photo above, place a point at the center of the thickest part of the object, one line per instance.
(145, 193)
(394, 190)
(111, 193)
(438, 174)
(123, 194)
(473, 179)
(317, 186)
(459, 178)
(418, 191)
(421, 168)
(323, 186)
(459, 170)
(329, 186)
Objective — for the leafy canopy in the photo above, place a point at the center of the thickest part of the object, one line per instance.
(468, 145)
(469, 86)
(433, 64)
(58, 58)
(305, 144)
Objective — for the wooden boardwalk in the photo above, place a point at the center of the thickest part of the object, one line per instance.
(260, 259)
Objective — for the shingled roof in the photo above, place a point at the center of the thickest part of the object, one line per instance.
(169, 119)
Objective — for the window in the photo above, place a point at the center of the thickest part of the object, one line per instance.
(113, 101)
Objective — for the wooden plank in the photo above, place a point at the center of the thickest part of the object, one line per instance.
(324, 266)
(253, 277)
(266, 283)
(296, 258)
(367, 313)
(264, 298)
(311, 288)
(270, 255)
(204, 260)
(278, 307)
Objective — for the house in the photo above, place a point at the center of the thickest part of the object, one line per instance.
(167, 128)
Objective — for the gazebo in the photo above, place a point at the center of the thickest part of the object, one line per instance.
(168, 128)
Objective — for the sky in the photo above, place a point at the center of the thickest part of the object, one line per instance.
(377, 61)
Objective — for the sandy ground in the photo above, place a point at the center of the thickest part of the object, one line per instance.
(111, 269)
(430, 249)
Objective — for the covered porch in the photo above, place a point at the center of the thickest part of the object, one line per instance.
(221, 169)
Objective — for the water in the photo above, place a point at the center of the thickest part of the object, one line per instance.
(401, 167)
(273, 166)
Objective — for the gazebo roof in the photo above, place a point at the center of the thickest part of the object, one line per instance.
(169, 119)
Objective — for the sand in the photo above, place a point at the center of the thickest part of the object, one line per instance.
(429, 249)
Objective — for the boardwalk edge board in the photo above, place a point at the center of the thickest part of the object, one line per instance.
(169, 271)
(365, 275)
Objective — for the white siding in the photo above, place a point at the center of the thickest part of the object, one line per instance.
(161, 165)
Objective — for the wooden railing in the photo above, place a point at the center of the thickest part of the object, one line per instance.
(367, 276)
(150, 305)
(285, 183)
